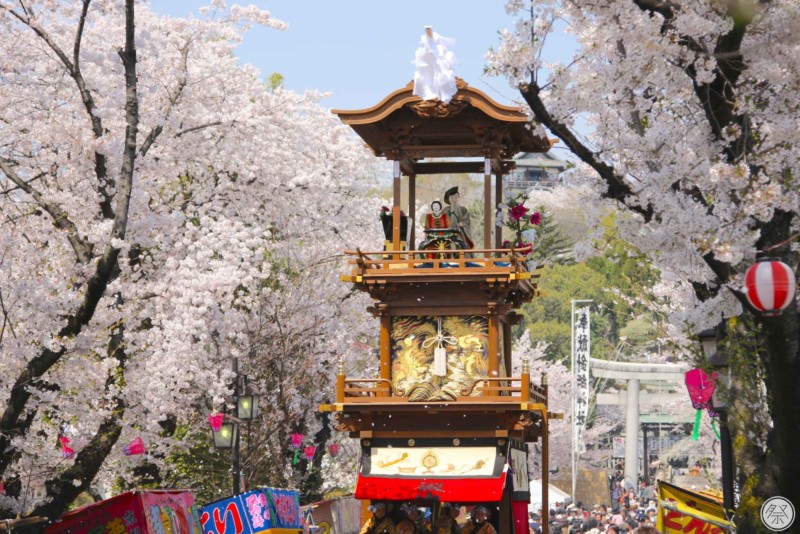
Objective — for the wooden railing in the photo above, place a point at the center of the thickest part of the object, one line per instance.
(379, 390)
(499, 389)
(477, 261)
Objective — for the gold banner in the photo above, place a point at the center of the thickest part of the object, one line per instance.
(685, 512)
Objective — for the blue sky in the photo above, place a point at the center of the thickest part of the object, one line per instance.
(361, 50)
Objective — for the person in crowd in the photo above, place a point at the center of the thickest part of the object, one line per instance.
(616, 516)
(413, 522)
(479, 524)
(447, 524)
(616, 492)
(535, 523)
(646, 529)
(379, 523)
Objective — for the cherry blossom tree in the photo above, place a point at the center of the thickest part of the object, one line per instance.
(162, 208)
(695, 141)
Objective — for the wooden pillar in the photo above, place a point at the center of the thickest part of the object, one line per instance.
(494, 346)
(487, 203)
(340, 378)
(396, 208)
(507, 345)
(545, 462)
(386, 346)
(412, 209)
(498, 198)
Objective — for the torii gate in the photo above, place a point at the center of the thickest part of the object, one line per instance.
(633, 373)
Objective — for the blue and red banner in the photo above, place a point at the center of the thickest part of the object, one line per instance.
(253, 512)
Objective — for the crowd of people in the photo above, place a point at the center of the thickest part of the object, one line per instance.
(563, 518)
(635, 517)
(411, 519)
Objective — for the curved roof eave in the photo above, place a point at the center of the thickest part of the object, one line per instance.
(399, 98)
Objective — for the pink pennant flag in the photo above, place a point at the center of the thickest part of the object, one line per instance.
(134, 447)
(215, 420)
(66, 451)
(308, 452)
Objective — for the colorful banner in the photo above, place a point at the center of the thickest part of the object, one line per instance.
(253, 512)
(337, 516)
(686, 512)
(134, 512)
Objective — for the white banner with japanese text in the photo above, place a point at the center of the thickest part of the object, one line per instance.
(580, 370)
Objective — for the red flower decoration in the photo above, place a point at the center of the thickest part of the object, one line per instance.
(524, 248)
(517, 212)
(536, 217)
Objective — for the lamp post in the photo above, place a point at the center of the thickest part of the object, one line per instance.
(719, 404)
(227, 436)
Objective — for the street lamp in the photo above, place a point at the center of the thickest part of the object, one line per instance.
(247, 406)
(225, 437)
(719, 361)
(226, 434)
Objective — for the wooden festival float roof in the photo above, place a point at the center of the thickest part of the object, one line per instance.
(407, 128)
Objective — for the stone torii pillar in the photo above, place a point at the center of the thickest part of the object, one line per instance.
(632, 373)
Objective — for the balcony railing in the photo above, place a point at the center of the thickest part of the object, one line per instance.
(424, 262)
(513, 389)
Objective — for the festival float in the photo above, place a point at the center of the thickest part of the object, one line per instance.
(447, 420)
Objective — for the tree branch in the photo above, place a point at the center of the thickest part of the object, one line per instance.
(61, 220)
(105, 271)
(617, 188)
(105, 184)
(173, 99)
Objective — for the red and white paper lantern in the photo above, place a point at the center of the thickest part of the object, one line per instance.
(769, 286)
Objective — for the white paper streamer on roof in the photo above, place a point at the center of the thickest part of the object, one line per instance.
(434, 77)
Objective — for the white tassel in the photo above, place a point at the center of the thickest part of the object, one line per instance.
(440, 361)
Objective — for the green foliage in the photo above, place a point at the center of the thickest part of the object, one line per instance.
(183, 468)
(617, 281)
(551, 245)
(275, 80)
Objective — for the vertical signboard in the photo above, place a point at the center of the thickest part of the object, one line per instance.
(580, 372)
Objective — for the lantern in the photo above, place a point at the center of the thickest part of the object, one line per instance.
(333, 449)
(297, 441)
(769, 286)
(701, 388)
(225, 438)
(308, 452)
(215, 420)
(247, 407)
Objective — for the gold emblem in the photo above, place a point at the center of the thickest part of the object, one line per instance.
(429, 461)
